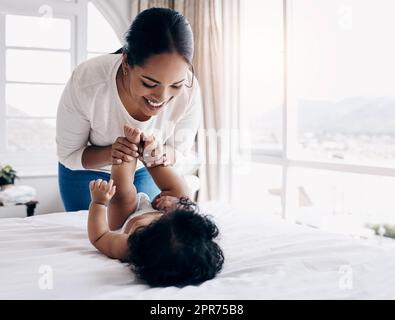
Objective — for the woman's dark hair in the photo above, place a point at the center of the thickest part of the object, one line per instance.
(177, 249)
(156, 31)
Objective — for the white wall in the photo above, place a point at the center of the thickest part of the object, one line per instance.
(47, 195)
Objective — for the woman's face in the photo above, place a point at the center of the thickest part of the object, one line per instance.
(157, 82)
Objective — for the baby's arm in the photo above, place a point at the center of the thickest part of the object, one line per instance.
(173, 186)
(113, 245)
(166, 178)
(169, 182)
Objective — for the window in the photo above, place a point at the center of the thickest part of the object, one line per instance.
(341, 201)
(261, 75)
(37, 58)
(337, 149)
(343, 81)
(40, 45)
(257, 188)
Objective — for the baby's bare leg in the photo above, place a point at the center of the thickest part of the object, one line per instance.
(124, 202)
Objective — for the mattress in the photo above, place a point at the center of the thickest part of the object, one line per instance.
(50, 257)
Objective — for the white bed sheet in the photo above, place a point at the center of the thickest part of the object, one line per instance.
(266, 258)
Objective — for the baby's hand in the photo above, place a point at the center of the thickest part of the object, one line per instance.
(166, 203)
(101, 191)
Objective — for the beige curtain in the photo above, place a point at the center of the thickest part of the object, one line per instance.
(215, 24)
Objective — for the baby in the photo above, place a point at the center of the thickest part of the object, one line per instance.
(167, 242)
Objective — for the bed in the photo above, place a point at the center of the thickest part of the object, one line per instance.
(266, 258)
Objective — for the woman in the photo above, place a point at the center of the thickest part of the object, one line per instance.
(146, 85)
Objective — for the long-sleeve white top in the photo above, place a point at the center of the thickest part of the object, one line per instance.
(90, 112)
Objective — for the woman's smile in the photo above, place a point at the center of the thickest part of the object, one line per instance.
(155, 106)
(152, 105)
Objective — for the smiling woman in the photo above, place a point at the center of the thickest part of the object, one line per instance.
(151, 95)
(145, 84)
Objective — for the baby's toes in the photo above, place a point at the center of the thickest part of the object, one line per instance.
(135, 137)
(128, 131)
(132, 134)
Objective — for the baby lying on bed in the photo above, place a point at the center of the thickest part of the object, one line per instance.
(167, 242)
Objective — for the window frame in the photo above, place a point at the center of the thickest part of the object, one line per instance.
(76, 12)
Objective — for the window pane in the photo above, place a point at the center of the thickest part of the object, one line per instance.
(261, 89)
(257, 187)
(101, 36)
(341, 202)
(37, 66)
(31, 135)
(32, 100)
(27, 31)
(343, 80)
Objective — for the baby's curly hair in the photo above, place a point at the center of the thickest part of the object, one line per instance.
(177, 249)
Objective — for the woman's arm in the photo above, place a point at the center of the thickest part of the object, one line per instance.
(72, 128)
(72, 134)
(95, 157)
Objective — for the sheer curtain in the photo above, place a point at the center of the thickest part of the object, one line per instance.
(215, 24)
(117, 13)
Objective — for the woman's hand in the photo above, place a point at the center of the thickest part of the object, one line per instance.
(153, 153)
(123, 150)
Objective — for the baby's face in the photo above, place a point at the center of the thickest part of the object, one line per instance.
(142, 221)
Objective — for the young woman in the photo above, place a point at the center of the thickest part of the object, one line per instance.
(147, 85)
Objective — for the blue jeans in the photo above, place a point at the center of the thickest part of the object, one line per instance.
(74, 186)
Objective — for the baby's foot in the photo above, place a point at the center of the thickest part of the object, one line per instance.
(132, 134)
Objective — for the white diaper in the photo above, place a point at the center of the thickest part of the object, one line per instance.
(143, 206)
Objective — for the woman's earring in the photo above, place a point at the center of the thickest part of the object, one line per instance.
(125, 72)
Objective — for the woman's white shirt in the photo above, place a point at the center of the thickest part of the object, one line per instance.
(90, 112)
